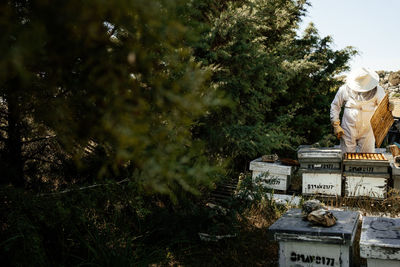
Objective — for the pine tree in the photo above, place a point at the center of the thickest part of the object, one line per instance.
(278, 83)
(118, 74)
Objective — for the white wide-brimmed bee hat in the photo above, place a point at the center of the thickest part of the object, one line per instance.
(362, 80)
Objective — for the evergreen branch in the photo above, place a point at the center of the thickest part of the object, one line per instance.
(81, 188)
(43, 160)
(37, 151)
(38, 139)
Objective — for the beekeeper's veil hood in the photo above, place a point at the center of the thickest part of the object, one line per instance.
(362, 80)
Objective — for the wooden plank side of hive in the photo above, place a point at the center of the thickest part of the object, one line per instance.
(381, 121)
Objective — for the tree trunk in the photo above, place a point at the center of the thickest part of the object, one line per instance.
(14, 160)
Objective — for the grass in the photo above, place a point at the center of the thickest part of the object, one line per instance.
(367, 206)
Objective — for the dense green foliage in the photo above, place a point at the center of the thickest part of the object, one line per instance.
(116, 74)
(279, 84)
(153, 102)
(115, 225)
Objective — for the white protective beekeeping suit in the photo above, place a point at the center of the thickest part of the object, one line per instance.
(360, 96)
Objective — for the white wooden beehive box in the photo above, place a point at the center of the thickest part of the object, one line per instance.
(322, 158)
(395, 176)
(380, 241)
(315, 183)
(272, 175)
(321, 170)
(302, 244)
(366, 174)
(358, 185)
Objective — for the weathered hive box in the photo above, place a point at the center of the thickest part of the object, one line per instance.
(321, 158)
(395, 175)
(380, 241)
(273, 175)
(301, 244)
(366, 174)
(321, 170)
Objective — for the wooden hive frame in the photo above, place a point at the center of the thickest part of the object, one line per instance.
(381, 121)
(365, 156)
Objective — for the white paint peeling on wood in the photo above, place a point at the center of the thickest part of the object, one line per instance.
(311, 254)
(375, 187)
(272, 175)
(380, 239)
(272, 168)
(322, 183)
(272, 180)
(310, 238)
(304, 244)
(319, 153)
(378, 252)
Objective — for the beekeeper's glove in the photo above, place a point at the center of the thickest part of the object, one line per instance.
(337, 129)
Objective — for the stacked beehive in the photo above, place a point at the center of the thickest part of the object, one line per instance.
(321, 170)
(304, 244)
(380, 241)
(366, 174)
(395, 175)
(273, 175)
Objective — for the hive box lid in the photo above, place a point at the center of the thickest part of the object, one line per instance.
(395, 168)
(275, 168)
(380, 238)
(305, 153)
(292, 227)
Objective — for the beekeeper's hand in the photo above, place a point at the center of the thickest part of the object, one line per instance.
(337, 129)
(391, 106)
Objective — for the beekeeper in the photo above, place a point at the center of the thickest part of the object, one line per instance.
(360, 96)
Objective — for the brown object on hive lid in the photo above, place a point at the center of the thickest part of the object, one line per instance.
(322, 217)
(381, 121)
(309, 206)
(289, 162)
(269, 158)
